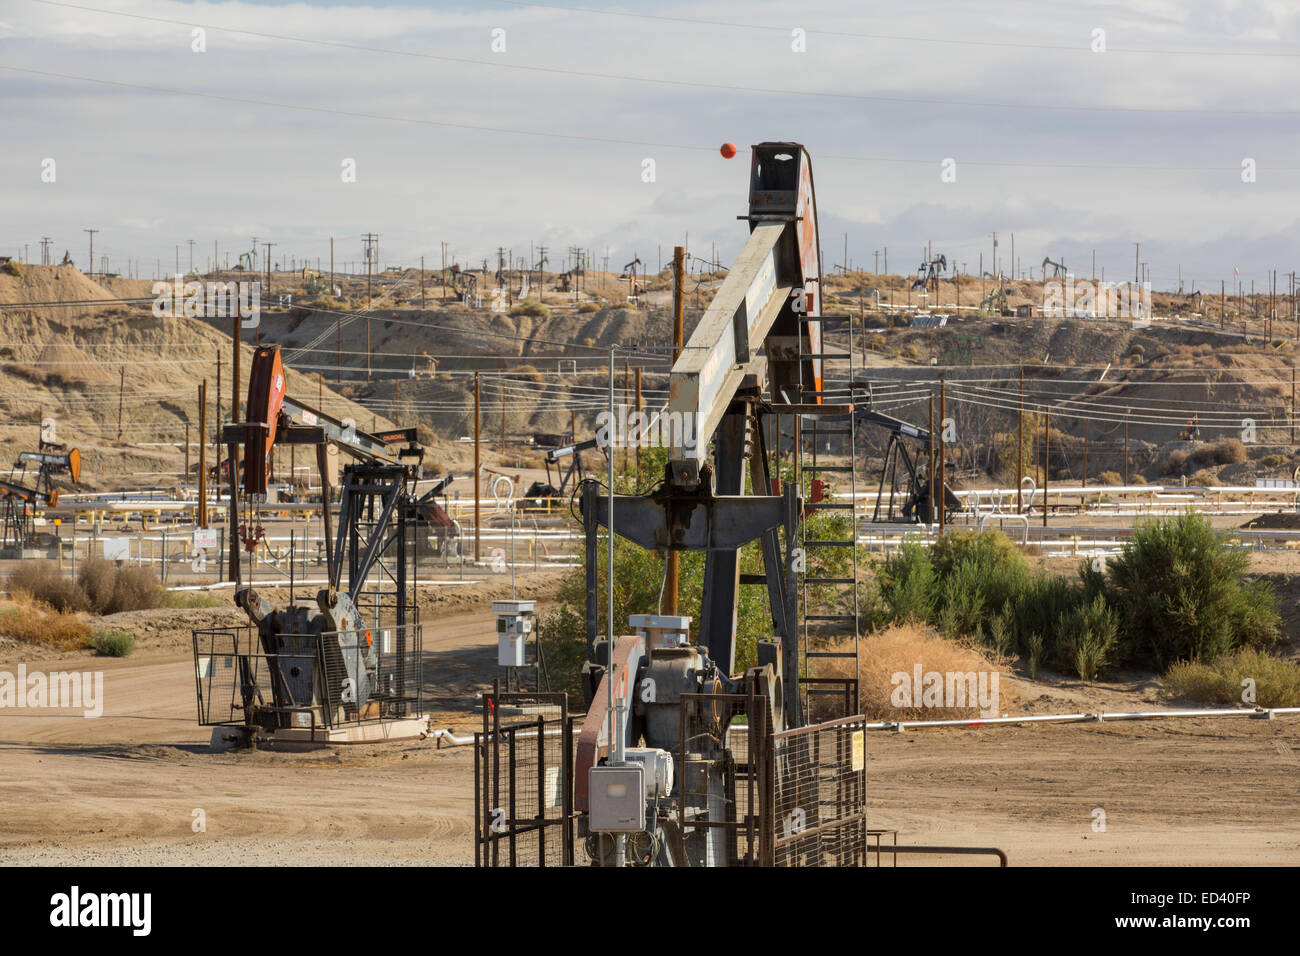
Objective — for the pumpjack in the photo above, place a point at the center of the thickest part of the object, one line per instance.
(755, 353)
(929, 272)
(19, 501)
(541, 490)
(918, 503)
(356, 654)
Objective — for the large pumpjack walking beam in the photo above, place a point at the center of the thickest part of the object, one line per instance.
(753, 353)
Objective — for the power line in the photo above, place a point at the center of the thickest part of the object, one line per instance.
(616, 141)
(896, 37)
(665, 81)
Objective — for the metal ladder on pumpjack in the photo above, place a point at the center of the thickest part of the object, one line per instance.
(828, 596)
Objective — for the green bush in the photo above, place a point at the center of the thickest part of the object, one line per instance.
(113, 643)
(1276, 681)
(1182, 595)
(1038, 609)
(907, 584)
(1086, 636)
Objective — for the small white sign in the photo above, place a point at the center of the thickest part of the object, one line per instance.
(116, 549)
(205, 537)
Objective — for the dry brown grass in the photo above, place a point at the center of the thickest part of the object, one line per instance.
(899, 649)
(38, 623)
(100, 586)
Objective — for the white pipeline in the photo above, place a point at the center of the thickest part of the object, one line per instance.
(1266, 713)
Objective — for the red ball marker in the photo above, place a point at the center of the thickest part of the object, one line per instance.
(728, 150)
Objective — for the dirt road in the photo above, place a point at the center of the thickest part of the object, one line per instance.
(125, 788)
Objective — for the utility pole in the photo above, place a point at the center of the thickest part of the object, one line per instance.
(638, 418)
(1047, 451)
(422, 282)
(930, 475)
(1020, 443)
(478, 424)
(1137, 266)
(268, 270)
(203, 454)
(943, 454)
(191, 242)
(92, 249)
(501, 387)
(121, 393)
(45, 250)
(1086, 423)
(1126, 414)
(372, 241)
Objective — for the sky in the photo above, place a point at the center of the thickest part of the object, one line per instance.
(500, 124)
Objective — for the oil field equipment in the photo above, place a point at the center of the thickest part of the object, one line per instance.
(20, 500)
(349, 669)
(917, 505)
(682, 760)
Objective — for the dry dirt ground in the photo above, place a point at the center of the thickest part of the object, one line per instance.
(125, 788)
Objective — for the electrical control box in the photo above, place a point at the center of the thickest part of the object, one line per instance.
(616, 799)
(514, 625)
(658, 765)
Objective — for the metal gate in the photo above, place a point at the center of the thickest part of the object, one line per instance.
(523, 781)
(817, 813)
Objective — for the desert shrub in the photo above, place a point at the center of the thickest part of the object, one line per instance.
(1230, 451)
(587, 308)
(1273, 461)
(1109, 478)
(980, 574)
(1174, 463)
(113, 643)
(1087, 635)
(1203, 478)
(896, 651)
(42, 581)
(1181, 592)
(110, 589)
(907, 584)
(14, 268)
(531, 307)
(877, 343)
(992, 548)
(529, 373)
(1276, 681)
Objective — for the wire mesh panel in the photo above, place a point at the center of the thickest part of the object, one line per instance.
(523, 782)
(226, 660)
(819, 795)
(309, 680)
(718, 779)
